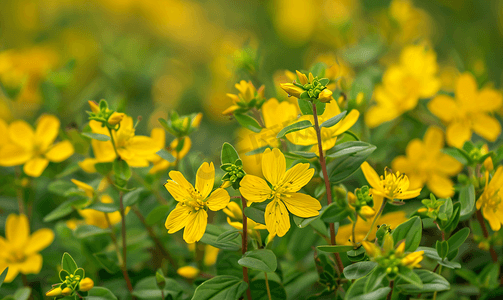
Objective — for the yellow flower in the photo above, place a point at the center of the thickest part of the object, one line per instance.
(367, 211)
(190, 212)
(404, 84)
(19, 250)
(86, 284)
(188, 272)
(413, 259)
(34, 149)
(247, 141)
(490, 202)
(158, 135)
(390, 186)
(393, 219)
(247, 93)
(54, 292)
(277, 115)
(390, 257)
(210, 255)
(468, 112)
(115, 118)
(282, 193)
(233, 211)
(329, 135)
(425, 163)
(134, 149)
(292, 89)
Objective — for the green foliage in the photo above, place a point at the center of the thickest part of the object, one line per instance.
(411, 232)
(220, 288)
(262, 260)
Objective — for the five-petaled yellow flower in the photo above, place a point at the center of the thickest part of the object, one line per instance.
(34, 148)
(424, 162)
(468, 112)
(19, 250)
(390, 186)
(190, 212)
(282, 192)
(490, 202)
(307, 137)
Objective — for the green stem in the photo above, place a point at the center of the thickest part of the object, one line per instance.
(376, 217)
(20, 192)
(328, 187)
(354, 227)
(114, 239)
(244, 247)
(267, 286)
(124, 248)
(480, 218)
(439, 272)
(113, 142)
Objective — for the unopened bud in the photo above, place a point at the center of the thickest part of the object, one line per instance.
(86, 284)
(115, 118)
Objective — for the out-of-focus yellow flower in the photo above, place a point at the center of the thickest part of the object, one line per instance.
(413, 259)
(283, 192)
(190, 211)
(468, 112)
(134, 149)
(89, 190)
(86, 284)
(390, 186)
(295, 20)
(188, 272)
(4, 132)
(235, 219)
(329, 135)
(247, 141)
(19, 250)
(413, 23)
(158, 135)
(277, 115)
(425, 163)
(210, 255)
(36, 148)
(54, 292)
(490, 202)
(404, 84)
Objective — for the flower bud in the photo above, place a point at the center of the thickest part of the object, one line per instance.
(367, 211)
(302, 78)
(54, 292)
(188, 272)
(226, 184)
(115, 118)
(292, 89)
(86, 284)
(352, 199)
(66, 291)
(325, 96)
(94, 106)
(371, 249)
(197, 120)
(388, 243)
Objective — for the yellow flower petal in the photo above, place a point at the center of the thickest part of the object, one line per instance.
(371, 175)
(17, 230)
(14, 155)
(277, 219)
(486, 126)
(195, 227)
(440, 186)
(434, 139)
(466, 88)
(188, 272)
(205, 179)
(379, 114)
(32, 264)
(35, 166)
(47, 131)
(302, 205)
(408, 194)
(273, 165)
(254, 188)
(346, 123)
(12, 273)
(297, 177)
(489, 100)
(142, 145)
(60, 151)
(458, 133)
(21, 133)
(39, 240)
(158, 135)
(88, 165)
(85, 187)
(178, 218)
(218, 199)
(444, 107)
(492, 218)
(178, 186)
(210, 255)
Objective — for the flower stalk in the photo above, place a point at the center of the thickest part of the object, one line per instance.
(244, 247)
(124, 248)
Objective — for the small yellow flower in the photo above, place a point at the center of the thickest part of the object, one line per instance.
(390, 186)
(86, 284)
(190, 212)
(425, 163)
(413, 259)
(329, 135)
(188, 272)
(115, 118)
(19, 250)
(34, 149)
(247, 93)
(490, 202)
(210, 255)
(371, 249)
(283, 192)
(468, 112)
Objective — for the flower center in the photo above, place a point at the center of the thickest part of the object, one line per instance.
(491, 198)
(196, 202)
(394, 183)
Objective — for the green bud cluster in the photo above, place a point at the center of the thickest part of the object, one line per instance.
(70, 281)
(181, 126)
(315, 87)
(233, 172)
(382, 230)
(364, 197)
(432, 208)
(102, 114)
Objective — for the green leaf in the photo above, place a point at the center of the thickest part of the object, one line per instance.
(334, 213)
(104, 207)
(348, 148)
(294, 127)
(258, 150)
(62, 187)
(255, 214)
(104, 168)
(166, 155)
(367, 50)
(467, 199)
(68, 264)
(96, 136)
(303, 223)
(131, 198)
(374, 280)
(64, 209)
(80, 272)
(457, 239)
(359, 269)
(432, 282)
(147, 288)
(458, 154)
(85, 231)
(228, 237)
(22, 293)
(333, 120)
(121, 169)
(346, 164)
(106, 262)
(262, 260)
(305, 154)
(356, 291)
(212, 234)
(259, 290)
(100, 293)
(335, 249)
(432, 253)
(306, 107)
(220, 288)
(409, 276)
(411, 231)
(158, 214)
(229, 155)
(453, 221)
(3, 275)
(248, 122)
(442, 248)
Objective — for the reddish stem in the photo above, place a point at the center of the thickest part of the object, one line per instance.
(244, 247)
